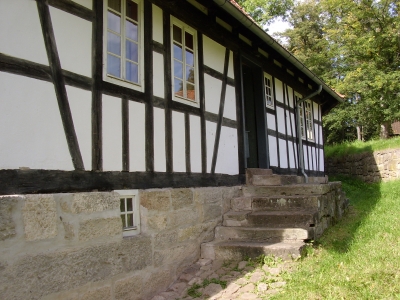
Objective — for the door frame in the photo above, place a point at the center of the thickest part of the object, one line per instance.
(261, 120)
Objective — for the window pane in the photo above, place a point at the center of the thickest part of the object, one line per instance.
(131, 31)
(114, 22)
(113, 66)
(122, 205)
(178, 52)
(178, 69)
(178, 87)
(129, 204)
(177, 34)
(191, 93)
(115, 5)
(189, 40)
(129, 218)
(123, 221)
(132, 72)
(132, 51)
(190, 74)
(114, 43)
(132, 10)
(189, 58)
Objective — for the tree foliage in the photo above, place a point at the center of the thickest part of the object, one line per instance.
(263, 12)
(354, 45)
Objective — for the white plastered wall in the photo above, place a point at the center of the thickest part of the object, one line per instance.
(273, 151)
(112, 134)
(137, 141)
(178, 139)
(21, 37)
(157, 24)
(195, 144)
(158, 74)
(159, 140)
(283, 154)
(271, 121)
(227, 160)
(230, 103)
(214, 54)
(280, 115)
(210, 139)
(31, 130)
(279, 90)
(80, 102)
(212, 91)
(71, 30)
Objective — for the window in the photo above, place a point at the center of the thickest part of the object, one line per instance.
(306, 119)
(123, 43)
(129, 207)
(184, 63)
(269, 94)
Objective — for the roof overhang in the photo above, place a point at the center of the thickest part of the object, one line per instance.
(234, 10)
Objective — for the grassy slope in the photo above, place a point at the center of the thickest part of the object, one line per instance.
(359, 258)
(359, 147)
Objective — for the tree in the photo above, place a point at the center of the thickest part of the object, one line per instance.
(353, 45)
(263, 12)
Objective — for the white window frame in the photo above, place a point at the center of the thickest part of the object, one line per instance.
(120, 81)
(271, 90)
(134, 195)
(306, 119)
(184, 27)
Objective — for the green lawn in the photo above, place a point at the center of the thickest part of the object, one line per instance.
(359, 258)
(360, 147)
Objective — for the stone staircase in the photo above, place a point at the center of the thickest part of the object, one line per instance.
(275, 216)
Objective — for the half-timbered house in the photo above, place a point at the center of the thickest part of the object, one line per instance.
(154, 99)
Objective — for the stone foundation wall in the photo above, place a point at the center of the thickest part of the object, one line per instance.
(70, 246)
(370, 167)
(331, 207)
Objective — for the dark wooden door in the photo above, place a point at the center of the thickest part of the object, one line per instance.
(254, 117)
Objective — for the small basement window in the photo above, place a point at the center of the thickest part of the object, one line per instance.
(129, 209)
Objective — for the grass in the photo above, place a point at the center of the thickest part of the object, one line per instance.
(360, 147)
(359, 258)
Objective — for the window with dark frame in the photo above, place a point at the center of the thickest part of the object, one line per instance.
(269, 98)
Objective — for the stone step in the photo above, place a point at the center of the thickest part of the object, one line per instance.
(263, 180)
(272, 219)
(284, 202)
(239, 250)
(287, 190)
(258, 203)
(250, 172)
(260, 234)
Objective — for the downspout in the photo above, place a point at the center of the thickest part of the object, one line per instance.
(301, 154)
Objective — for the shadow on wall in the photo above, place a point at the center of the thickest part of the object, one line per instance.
(368, 166)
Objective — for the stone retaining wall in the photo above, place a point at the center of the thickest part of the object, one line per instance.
(70, 246)
(370, 167)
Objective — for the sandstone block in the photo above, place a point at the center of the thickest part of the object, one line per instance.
(128, 288)
(69, 231)
(158, 200)
(182, 217)
(89, 202)
(91, 229)
(212, 211)
(102, 293)
(208, 195)
(165, 239)
(157, 281)
(7, 225)
(181, 198)
(39, 217)
(157, 222)
(35, 276)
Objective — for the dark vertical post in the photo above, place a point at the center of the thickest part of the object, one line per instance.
(59, 84)
(202, 104)
(125, 134)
